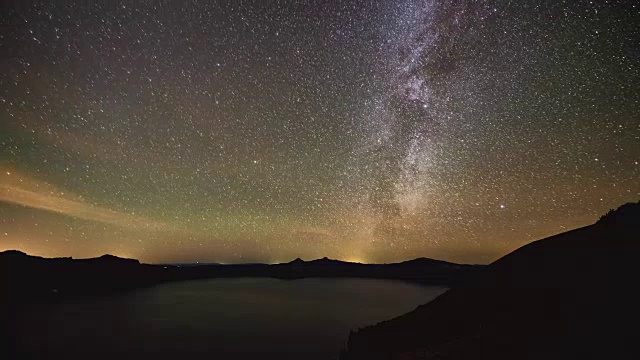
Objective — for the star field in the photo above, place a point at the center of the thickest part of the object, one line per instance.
(358, 130)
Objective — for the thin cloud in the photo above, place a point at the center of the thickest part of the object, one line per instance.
(311, 232)
(26, 191)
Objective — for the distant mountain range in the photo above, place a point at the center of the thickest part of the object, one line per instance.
(570, 296)
(25, 278)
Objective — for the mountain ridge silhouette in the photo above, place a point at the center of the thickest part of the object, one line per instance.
(25, 278)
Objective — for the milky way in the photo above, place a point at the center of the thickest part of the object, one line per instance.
(265, 131)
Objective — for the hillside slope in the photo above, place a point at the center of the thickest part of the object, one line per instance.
(573, 295)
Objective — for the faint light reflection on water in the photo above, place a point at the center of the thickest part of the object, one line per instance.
(236, 317)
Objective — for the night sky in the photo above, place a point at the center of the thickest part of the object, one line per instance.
(372, 131)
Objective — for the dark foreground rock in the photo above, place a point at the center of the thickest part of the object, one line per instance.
(570, 296)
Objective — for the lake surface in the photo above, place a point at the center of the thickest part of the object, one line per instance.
(221, 318)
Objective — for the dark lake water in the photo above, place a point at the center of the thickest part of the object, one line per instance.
(220, 318)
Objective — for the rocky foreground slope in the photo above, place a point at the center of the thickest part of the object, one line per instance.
(570, 296)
